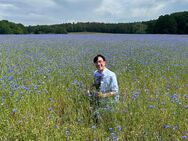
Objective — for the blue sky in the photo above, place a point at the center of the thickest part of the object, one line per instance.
(38, 12)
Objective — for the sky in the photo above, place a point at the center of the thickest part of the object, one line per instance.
(48, 12)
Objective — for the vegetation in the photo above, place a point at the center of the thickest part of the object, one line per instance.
(176, 23)
(7, 27)
(44, 78)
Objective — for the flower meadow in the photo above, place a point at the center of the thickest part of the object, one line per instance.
(44, 79)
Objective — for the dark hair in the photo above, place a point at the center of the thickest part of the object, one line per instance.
(96, 58)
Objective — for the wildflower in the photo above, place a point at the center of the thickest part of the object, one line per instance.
(14, 110)
(4, 76)
(110, 130)
(41, 70)
(9, 70)
(68, 89)
(184, 137)
(166, 126)
(124, 110)
(186, 106)
(173, 96)
(26, 88)
(119, 128)
(10, 78)
(114, 137)
(174, 99)
(51, 99)
(135, 95)
(50, 109)
(186, 96)
(151, 106)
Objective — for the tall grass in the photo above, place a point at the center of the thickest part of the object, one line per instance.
(44, 78)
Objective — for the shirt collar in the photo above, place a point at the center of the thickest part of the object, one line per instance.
(105, 69)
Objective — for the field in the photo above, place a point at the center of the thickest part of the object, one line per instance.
(44, 79)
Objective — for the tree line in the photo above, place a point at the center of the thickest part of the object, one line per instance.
(175, 23)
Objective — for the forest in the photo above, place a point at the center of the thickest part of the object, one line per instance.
(175, 23)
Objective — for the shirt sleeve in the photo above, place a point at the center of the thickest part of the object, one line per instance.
(114, 86)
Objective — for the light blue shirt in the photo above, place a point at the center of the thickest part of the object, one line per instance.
(107, 81)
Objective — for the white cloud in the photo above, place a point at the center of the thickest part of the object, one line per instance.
(55, 11)
(75, 1)
(4, 8)
(40, 4)
(134, 10)
(109, 6)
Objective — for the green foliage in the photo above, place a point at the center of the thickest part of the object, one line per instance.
(7, 27)
(46, 29)
(166, 25)
(182, 22)
(175, 23)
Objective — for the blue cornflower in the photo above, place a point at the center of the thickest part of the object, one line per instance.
(51, 99)
(151, 106)
(186, 106)
(50, 109)
(184, 137)
(110, 130)
(124, 110)
(9, 70)
(135, 95)
(119, 128)
(26, 88)
(68, 89)
(174, 96)
(14, 110)
(4, 76)
(166, 126)
(41, 70)
(10, 78)
(114, 137)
